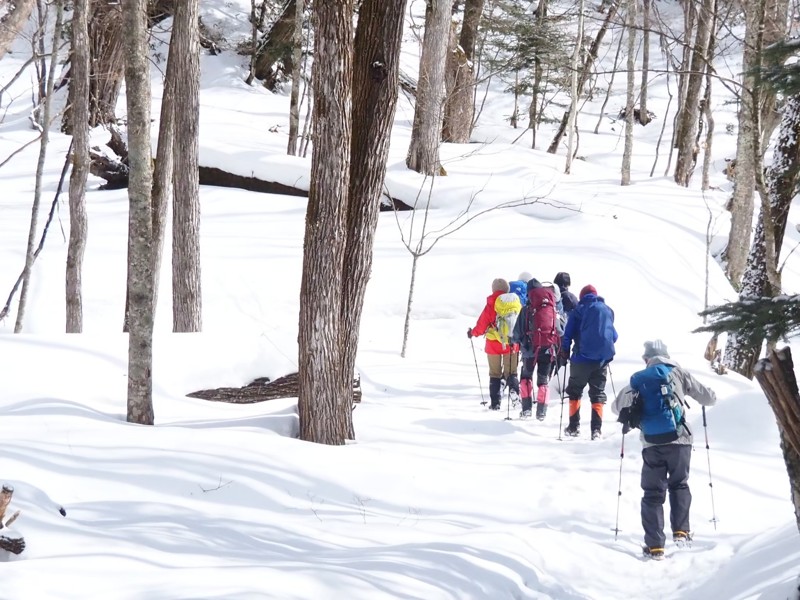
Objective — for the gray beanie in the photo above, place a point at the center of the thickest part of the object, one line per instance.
(500, 285)
(525, 276)
(655, 348)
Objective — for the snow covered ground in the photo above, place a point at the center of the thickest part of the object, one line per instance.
(439, 498)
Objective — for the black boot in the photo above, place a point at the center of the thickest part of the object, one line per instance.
(527, 408)
(495, 385)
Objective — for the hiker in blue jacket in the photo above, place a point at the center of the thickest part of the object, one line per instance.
(591, 335)
(665, 466)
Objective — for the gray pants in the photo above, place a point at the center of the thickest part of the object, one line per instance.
(665, 467)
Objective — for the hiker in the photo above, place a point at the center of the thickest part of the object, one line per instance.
(591, 335)
(660, 391)
(520, 286)
(568, 299)
(537, 333)
(501, 353)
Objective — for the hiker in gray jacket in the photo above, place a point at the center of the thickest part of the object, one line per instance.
(665, 466)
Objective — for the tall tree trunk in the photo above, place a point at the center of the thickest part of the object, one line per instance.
(644, 119)
(776, 376)
(376, 71)
(423, 151)
(689, 24)
(783, 179)
(459, 105)
(79, 91)
(19, 11)
(690, 115)
(574, 92)
(708, 112)
(140, 220)
(186, 284)
(538, 76)
(44, 140)
(322, 392)
(591, 56)
(297, 67)
(630, 100)
(741, 203)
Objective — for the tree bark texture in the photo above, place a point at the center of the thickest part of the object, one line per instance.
(19, 11)
(44, 140)
(277, 45)
(742, 201)
(538, 77)
(322, 395)
(297, 67)
(423, 151)
(775, 375)
(644, 118)
(689, 23)
(186, 284)
(630, 100)
(376, 69)
(591, 56)
(140, 221)
(574, 92)
(783, 178)
(78, 226)
(690, 111)
(460, 102)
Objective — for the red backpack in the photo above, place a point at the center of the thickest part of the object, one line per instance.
(542, 317)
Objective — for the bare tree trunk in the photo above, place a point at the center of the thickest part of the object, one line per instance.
(533, 112)
(140, 221)
(276, 46)
(689, 23)
(321, 390)
(460, 105)
(407, 322)
(376, 71)
(591, 56)
(630, 100)
(644, 118)
(783, 177)
(107, 38)
(708, 113)
(19, 11)
(574, 92)
(423, 151)
(297, 67)
(742, 202)
(690, 115)
(775, 375)
(610, 84)
(44, 140)
(79, 91)
(186, 284)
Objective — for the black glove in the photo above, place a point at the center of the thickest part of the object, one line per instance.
(469, 333)
(563, 358)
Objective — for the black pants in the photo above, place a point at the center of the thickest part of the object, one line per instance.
(543, 363)
(666, 467)
(581, 373)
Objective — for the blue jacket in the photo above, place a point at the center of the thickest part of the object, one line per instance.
(520, 288)
(590, 331)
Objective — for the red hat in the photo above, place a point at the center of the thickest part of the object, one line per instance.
(588, 289)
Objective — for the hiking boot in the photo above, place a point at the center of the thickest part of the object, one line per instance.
(514, 396)
(541, 410)
(653, 553)
(683, 539)
(596, 435)
(525, 414)
(494, 406)
(572, 431)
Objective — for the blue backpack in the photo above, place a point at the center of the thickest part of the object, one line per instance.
(520, 288)
(597, 332)
(656, 409)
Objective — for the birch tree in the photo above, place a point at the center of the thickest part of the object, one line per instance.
(186, 283)
(423, 151)
(297, 67)
(79, 92)
(140, 220)
(630, 100)
(322, 393)
(460, 102)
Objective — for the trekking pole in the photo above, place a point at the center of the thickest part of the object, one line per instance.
(710, 482)
(508, 403)
(561, 392)
(477, 370)
(619, 487)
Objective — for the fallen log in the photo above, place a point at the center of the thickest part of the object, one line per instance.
(262, 389)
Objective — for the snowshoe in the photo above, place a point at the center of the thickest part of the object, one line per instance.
(514, 396)
(683, 539)
(596, 435)
(653, 553)
(525, 414)
(572, 431)
(494, 407)
(541, 410)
